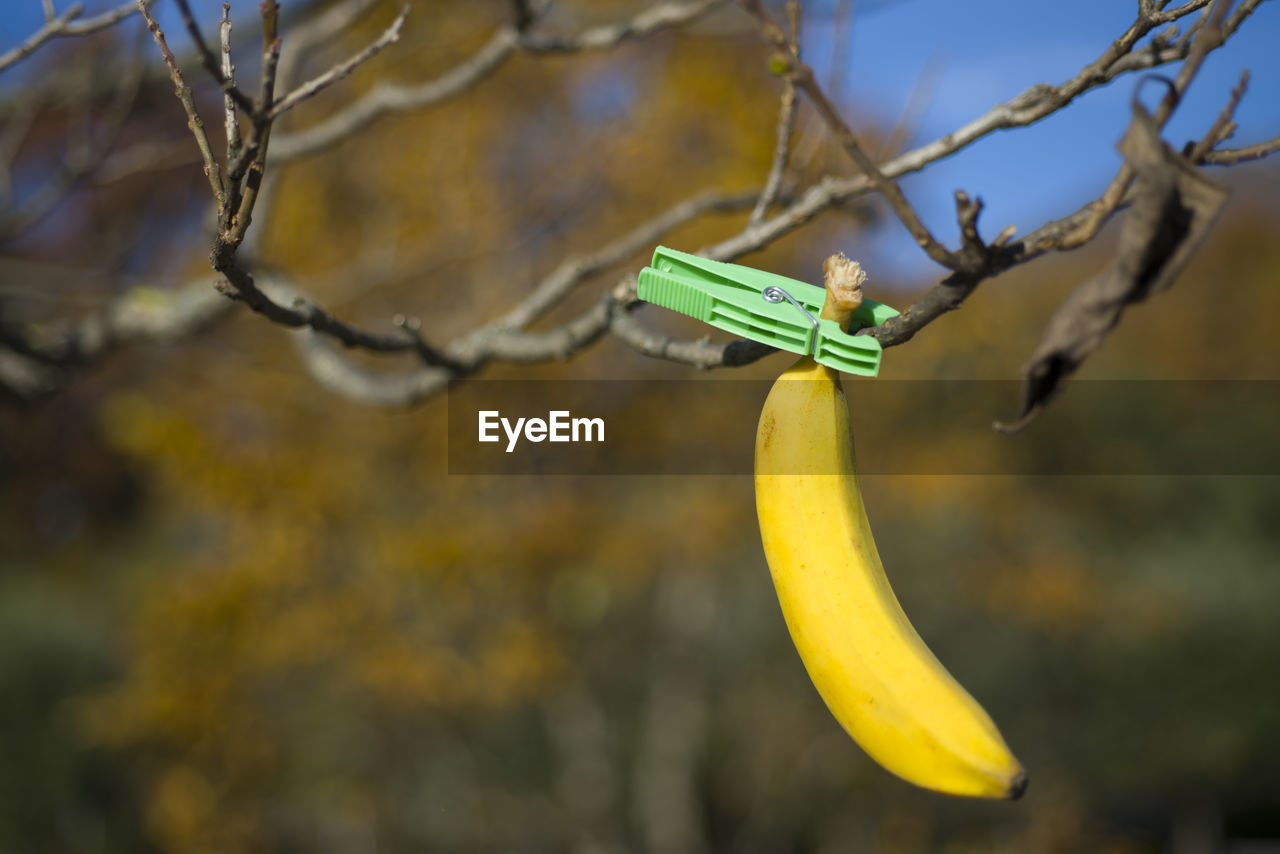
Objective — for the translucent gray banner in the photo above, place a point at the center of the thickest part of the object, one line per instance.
(901, 427)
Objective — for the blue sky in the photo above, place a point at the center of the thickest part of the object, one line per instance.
(977, 54)
(983, 53)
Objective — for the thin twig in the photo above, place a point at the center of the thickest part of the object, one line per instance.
(1208, 37)
(69, 23)
(659, 16)
(501, 338)
(252, 163)
(505, 339)
(303, 313)
(183, 91)
(45, 363)
(811, 137)
(781, 152)
(315, 31)
(804, 79)
(230, 119)
(317, 84)
(87, 26)
(51, 28)
(1230, 156)
(1223, 126)
(553, 289)
(967, 212)
(953, 290)
(786, 123)
(210, 62)
(387, 97)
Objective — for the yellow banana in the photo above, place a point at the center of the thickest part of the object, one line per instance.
(884, 686)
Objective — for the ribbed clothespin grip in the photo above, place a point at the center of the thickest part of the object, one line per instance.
(764, 307)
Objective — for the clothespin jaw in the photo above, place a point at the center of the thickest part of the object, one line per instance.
(764, 307)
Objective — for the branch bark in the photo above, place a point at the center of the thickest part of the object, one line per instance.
(238, 183)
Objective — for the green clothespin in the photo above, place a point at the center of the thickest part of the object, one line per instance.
(764, 307)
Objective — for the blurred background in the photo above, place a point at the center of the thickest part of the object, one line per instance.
(239, 613)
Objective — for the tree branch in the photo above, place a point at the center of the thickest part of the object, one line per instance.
(1223, 126)
(507, 338)
(786, 123)
(386, 98)
(210, 61)
(183, 91)
(802, 76)
(69, 23)
(317, 84)
(230, 119)
(32, 368)
(1230, 156)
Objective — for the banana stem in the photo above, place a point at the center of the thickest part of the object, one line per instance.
(844, 280)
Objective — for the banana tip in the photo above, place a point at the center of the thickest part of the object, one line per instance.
(1018, 786)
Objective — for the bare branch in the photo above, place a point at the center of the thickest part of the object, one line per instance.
(38, 367)
(1033, 104)
(1041, 100)
(183, 91)
(553, 289)
(803, 78)
(302, 313)
(68, 23)
(427, 354)
(317, 30)
(50, 29)
(230, 121)
(507, 338)
(502, 338)
(886, 186)
(86, 26)
(967, 212)
(279, 300)
(1066, 233)
(1207, 38)
(781, 153)
(328, 367)
(786, 123)
(660, 16)
(210, 62)
(1229, 156)
(386, 98)
(317, 84)
(700, 353)
(245, 173)
(236, 209)
(1223, 126)
(812, 134)
(242, 215)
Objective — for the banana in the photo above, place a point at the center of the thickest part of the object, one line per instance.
(876, 675)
